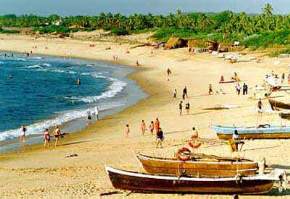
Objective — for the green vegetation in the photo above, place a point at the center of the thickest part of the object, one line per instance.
(255, 31)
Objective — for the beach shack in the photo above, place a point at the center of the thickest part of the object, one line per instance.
(175, 42)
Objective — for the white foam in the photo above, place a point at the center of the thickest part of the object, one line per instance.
(38, 128)
(33, 66)
(116, 87)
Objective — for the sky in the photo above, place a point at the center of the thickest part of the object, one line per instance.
(94, 7)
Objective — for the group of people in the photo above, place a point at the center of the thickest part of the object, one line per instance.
(187, 107)
(154, 127)
(244, 89)
(46, 136)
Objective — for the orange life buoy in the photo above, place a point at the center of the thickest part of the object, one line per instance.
(181, 155)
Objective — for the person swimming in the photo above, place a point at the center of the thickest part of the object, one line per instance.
(78, 81)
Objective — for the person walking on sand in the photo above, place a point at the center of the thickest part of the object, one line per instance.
(187, 107)
(151, 127)
(22, 133)
(96, 113)
(184, 93)
(210, 91)
(168, 73)
(127, 130)
(159, 138)
(260, 110)
(245, 89)
(57, 135)
(46, 138)
(238, 89)
(143, 127)
(180, 107)
(157, 125)
(175, 93)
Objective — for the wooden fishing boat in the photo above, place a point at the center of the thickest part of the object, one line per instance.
(140, 182)
(276, 105)
(285, 115)
(200, 165)
(265, 131)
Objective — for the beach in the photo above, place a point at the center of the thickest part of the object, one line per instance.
(35, 172)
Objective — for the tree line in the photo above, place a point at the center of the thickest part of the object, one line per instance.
(223, 25)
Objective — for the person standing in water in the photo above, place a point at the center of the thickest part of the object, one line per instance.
(46, 138)
(22, 133)
(57, 135)
(143, 127)
(78, 81)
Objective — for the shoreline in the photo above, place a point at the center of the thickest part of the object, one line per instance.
(77, 124)
(103, 143)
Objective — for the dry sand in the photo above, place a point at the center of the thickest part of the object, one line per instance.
(38, 173)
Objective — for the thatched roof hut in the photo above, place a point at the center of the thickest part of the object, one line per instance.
(175, 42)
(213, 45)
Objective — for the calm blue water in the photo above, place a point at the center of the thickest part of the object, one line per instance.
(41, 92)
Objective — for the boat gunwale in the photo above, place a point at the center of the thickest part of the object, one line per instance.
(145, 157)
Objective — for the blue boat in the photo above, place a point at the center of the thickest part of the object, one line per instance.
(264, 131)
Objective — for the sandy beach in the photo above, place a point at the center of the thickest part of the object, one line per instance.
(35, 172)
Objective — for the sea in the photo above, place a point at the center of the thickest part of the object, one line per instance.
(41, 92)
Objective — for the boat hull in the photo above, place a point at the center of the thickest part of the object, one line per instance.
(266, 132)
(151, 183)
(285, 115)
(278, 105)
(249, 136)
(200, 168)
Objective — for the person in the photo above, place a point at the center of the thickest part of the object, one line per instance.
(236, 141)
(46, 137)
(22, 133)
(137, 63)
(210, 91)
(143, 127)
(187, 107)
(57, 135)
(238, 89)
(245, 89)
(159, 138)
(97, 112)
(180, 108)
(168, 73)
(89, 115)
(282, 78)
(78, 81)
(127, 130)
(184, 93)
(222, 79)
(175, 93)
(157, 125)
(260, 106)
(194, 134)
(151, 127)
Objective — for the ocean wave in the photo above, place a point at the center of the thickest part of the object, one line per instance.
(46, 64)
(116, 87)
(38, 128)
(33, 66)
